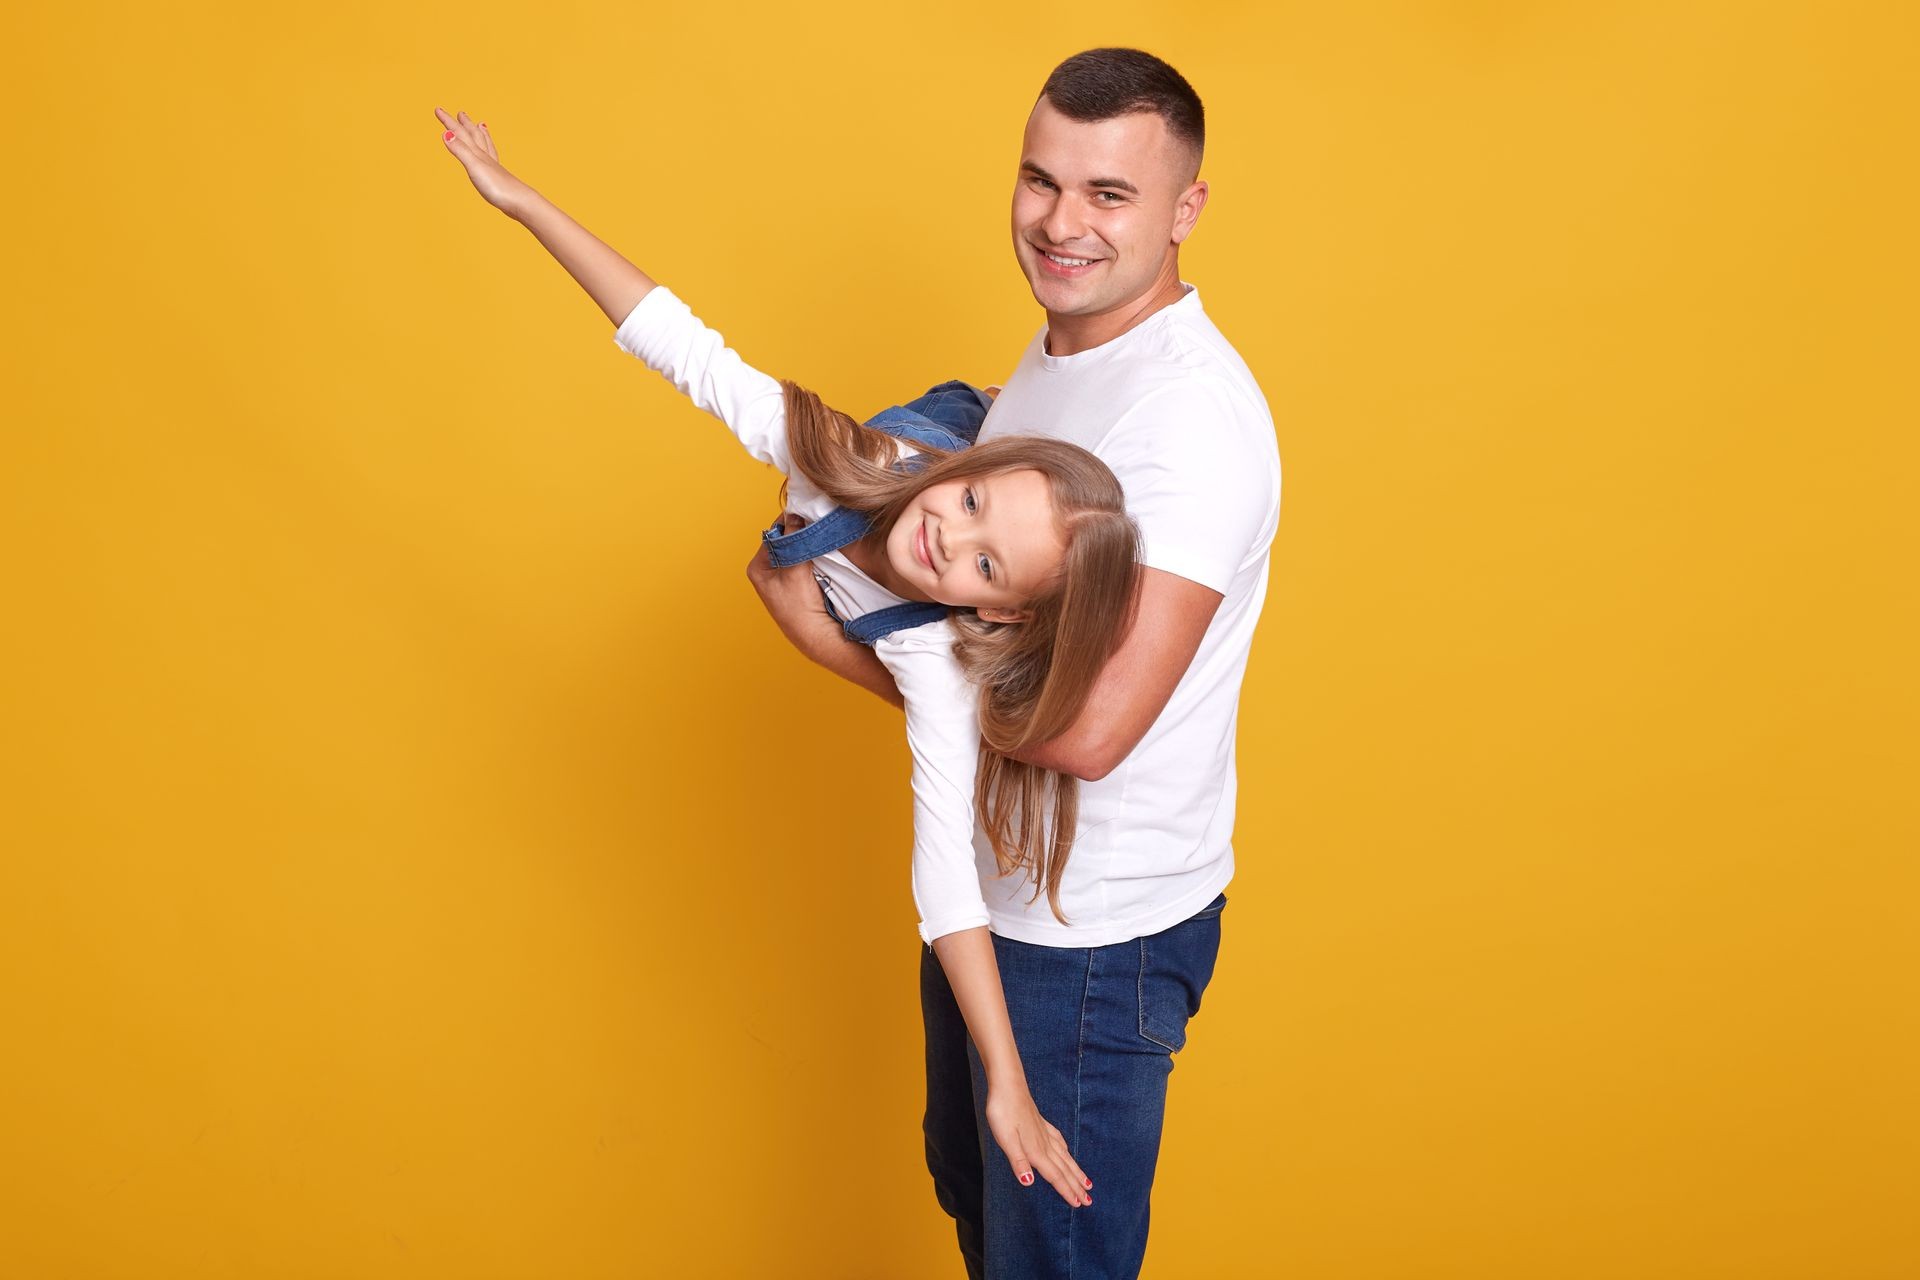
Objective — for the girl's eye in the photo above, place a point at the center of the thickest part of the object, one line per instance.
(966, 500)
(986, 567)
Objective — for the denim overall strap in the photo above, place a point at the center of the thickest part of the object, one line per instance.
(829, 533)
(869, 627)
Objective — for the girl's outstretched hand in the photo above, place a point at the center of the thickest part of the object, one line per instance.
(1033, 1146)
(472, 145)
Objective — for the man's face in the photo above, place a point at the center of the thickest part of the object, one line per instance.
(1111, 197)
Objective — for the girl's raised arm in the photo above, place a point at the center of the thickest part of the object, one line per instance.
(665, 334)
(609, 279)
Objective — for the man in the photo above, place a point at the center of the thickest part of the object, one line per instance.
(1129, 366)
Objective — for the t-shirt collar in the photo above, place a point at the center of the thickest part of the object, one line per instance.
(1189, 301)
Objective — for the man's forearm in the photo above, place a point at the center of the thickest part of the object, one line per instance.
(810, 629)
(1171, 618)
(1073, 753)
(829, 647)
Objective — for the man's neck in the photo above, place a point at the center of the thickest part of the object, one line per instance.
(1070, 335)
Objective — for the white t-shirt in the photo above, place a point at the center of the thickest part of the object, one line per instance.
(1171, 407)
(942, 707)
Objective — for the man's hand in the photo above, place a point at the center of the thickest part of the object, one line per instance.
(792, 598)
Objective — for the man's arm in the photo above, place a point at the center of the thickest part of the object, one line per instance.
(1170, 621)
(1133, 688)
(792, 597)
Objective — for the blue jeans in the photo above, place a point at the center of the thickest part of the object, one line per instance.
(1097, 1028)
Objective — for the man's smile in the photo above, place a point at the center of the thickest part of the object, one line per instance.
(1063, 265)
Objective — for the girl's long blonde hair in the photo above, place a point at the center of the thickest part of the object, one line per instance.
(1035, 676)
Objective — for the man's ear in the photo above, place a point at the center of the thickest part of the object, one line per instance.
(1003, 615)
(1187, 210)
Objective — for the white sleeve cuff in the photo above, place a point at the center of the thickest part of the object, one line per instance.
(931, 929)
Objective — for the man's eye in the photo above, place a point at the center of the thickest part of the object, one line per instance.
(1040, 182)
(986, 568)
(1110, 195)
(966, 500)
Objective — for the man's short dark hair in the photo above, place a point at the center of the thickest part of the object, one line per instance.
(1103, 83)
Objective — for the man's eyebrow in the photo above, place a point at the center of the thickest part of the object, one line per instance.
(1118, 183)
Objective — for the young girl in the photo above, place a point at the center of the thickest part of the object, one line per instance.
(993, 581)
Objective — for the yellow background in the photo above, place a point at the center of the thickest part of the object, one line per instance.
(423, 859)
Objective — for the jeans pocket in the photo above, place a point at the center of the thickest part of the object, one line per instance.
(1175, 966)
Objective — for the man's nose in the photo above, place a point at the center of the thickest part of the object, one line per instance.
(1064, 222)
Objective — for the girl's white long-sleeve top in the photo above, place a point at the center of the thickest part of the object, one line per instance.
(942, 706)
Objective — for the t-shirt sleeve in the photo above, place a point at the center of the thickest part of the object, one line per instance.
(943, 734)
(663, 332)
(1197, 483)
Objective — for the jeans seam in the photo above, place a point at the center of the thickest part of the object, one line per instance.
(1079, 1065)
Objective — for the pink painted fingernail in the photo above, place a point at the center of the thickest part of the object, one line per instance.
(1026, 1179)
(446, 135)
(1087, 1183)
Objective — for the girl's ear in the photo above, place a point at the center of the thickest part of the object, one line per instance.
(1002, 615)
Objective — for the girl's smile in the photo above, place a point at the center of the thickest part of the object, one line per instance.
(987, 542)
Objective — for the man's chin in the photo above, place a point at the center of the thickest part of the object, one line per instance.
(1064, 302)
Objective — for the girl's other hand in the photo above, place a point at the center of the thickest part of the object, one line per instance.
(1032, 1146)
(472, 145)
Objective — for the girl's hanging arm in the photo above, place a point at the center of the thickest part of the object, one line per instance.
(615, 284)
(1031, 1144)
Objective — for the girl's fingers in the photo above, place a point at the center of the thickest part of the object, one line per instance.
(1043, 1166)
(1056, 1176)
(1022, 1167)
(1076, 1177)
(486, 136)
(450, 125)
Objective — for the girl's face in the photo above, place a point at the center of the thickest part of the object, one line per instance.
(985, 542)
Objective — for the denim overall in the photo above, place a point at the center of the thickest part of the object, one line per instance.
(947, 417)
